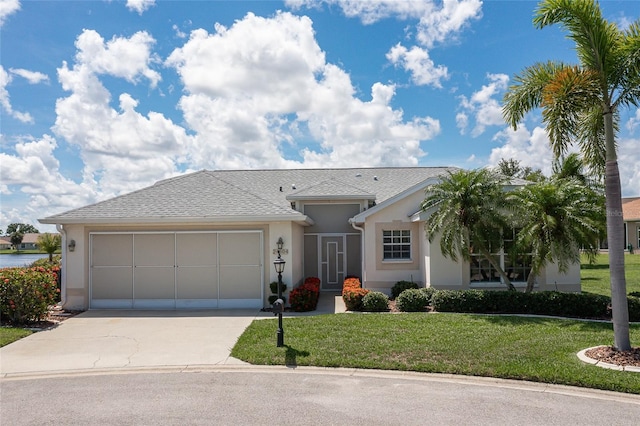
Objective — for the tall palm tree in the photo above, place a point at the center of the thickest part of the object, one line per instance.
(468, 214)
(49, 243)
(581, 103)
(556, 219)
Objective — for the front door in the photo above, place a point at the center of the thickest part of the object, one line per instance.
(332, 262)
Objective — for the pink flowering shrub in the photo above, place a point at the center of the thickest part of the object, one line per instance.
(27, 293)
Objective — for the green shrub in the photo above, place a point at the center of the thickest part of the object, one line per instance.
(375, 301)
(401, 286)
(27, 293)
(273, 286)
(412, 300)
(555, 303)
(429, 292)
(635, 294)
(634, 309)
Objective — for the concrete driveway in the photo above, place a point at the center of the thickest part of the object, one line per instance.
(100, 339)
(120, 339)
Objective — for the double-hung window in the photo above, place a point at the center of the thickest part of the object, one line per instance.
(396, 244)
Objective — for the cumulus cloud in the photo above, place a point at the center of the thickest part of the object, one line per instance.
(437, 22)
(5, 99)
(33, 77)
(482, 106)
(531, 148)
(122, 149)
(140, 6)
(7, 7)
(634, 122)
(35, 170)
(629, 164)
(417, 62)
(254, 86)
(128, 58)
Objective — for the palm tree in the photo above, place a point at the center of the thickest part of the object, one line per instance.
(581, 103)
(556, 219)
(468, 214)
(49, 243)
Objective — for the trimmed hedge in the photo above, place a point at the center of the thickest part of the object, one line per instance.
(401, 286)
(305, 297)
(574, 305)
(353, 293)
(412, 300)
(375, 301)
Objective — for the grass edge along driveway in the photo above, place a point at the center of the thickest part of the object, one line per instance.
(511, 347)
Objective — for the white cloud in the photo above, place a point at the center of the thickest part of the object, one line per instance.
(33, 77)
(423, 70)
(7, 7)
(530, 148)
(437, 22)
(5, 99)
(127, 58)
(35, 170)
(634, 122)
(140, 6)
(121, 149)
(482, 105)
(629, 164)
(254, 86)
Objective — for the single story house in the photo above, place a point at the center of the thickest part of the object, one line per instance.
(29, 242)
(631, 217)
(208, 239)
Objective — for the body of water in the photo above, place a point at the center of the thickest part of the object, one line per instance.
(9, 260)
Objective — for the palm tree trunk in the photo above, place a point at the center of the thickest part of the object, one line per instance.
(615, 240)
(531, 279)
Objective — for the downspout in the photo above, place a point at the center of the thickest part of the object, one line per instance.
(362, 253)
(63, 265)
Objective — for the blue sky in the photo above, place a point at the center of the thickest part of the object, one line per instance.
(100, 98)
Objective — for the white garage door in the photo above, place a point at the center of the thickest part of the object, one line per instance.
(177, 270)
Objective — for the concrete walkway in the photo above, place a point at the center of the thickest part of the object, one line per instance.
(109, 339)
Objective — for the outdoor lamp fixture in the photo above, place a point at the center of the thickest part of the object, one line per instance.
(280, 244)
(72, 245)
(278, 305)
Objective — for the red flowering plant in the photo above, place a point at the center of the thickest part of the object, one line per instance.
(353, 293)
(27, 293)
(304, 298)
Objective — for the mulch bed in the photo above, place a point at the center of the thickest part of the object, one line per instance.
(610, 355)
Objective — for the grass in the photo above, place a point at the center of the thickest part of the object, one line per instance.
(11, 334)
(595, 278)
(535, 349)
(25, 251)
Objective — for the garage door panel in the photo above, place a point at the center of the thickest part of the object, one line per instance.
(240, 282)
(154, 250)
(112, 250)
(112, 283)
(240, 249)
(154, 283)
(196, 249)
(197, 282)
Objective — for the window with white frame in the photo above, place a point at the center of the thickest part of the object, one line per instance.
(515, 264)
(396, 244)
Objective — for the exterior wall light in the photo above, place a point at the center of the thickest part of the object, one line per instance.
(72, 245)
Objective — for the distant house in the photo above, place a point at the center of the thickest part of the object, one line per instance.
(5, 243)
(208, 239)
(631, 217)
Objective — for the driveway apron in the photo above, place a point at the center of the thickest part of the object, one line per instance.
(128, 339)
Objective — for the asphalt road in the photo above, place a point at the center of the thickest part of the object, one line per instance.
(256, 396)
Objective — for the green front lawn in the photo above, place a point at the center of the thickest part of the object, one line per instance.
(11, 334)
(595, 278)
(536, 349)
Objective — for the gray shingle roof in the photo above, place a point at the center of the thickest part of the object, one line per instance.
(245, 194)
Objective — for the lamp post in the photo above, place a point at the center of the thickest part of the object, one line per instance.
(279, 265)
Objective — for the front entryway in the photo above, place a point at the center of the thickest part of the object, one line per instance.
(333, 262)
